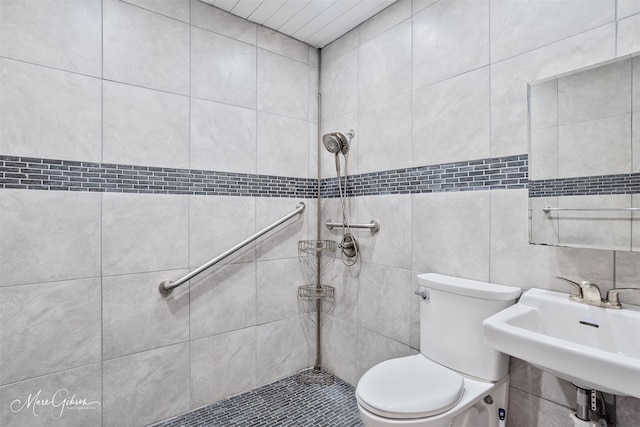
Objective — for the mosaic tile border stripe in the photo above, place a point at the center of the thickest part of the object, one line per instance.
(586, 185)
(65, 175)
(506, 173)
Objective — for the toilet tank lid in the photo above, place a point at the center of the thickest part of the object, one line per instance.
(472, 288)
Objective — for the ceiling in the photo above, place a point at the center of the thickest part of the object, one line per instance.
(315, 22)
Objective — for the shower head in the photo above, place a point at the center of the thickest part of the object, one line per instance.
(337, 142)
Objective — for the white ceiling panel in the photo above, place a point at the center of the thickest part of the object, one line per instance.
(224, 4)
(245, 8)
(286, 12)
(316, 22)
(266, 9)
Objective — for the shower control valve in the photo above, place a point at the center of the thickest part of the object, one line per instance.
(423, 294)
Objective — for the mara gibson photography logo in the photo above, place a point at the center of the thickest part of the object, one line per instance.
(59, 402)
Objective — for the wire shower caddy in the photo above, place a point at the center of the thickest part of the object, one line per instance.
(315, 256)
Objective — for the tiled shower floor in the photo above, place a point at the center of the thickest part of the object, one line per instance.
(283, 403)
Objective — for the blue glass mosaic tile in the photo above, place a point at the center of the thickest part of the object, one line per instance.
(285, 403)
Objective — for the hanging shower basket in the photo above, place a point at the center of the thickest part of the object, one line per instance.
(315, 256)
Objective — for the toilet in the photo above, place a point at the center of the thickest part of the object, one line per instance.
(456, 380)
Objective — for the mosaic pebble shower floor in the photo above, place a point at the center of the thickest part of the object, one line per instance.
(283, 403)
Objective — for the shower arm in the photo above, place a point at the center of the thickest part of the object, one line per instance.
(167, 286)
(374, 225)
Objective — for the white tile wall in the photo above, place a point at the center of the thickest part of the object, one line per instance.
(63, 35)
(49, 113)
(118, 246)
(144, 127)
(470, 64)
(222, 69)
(223, 137)
(169, 94)
(449, 38)
(144, 48)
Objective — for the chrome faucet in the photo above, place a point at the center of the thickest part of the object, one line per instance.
(584, 292)
(613, 300)
(589, 293)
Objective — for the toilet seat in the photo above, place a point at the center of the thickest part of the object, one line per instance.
(409, 387)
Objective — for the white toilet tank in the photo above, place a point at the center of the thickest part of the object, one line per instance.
(451, 324)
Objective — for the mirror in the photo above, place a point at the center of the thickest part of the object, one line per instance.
(584, 157)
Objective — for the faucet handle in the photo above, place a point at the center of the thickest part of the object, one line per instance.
(576, 288)
(613, 299)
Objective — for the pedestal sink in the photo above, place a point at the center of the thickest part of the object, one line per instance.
(592, 347)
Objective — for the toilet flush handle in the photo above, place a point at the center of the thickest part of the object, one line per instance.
(423, 294)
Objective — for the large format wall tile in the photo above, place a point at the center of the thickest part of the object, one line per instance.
(281, 349)
(451, 120)
(145, 127)
(283, 85)
(384, 65)
(218, 21)
(517, 263)
(384, 301)
(518, 27)
(391, 246)
(146, 387)
(450, 38)
(628, 37)
(223, 300)
(277, 290)
(143, 233)
(509, 80)
(594, 94)
(282, 142)
(48, 327)
(596, 147)
(222, 365)
(282, 241)
(627, 8)
(611, 230)
(136, 317)
(49, 113)
(339, 85)
(532, 380)
(222, 69)
(223, 137)
(219, 223)
(339, 348)
(451, 234)
(47, 236)
(532, 411)
(383, 21)
(383, 135)
(64, 35)
(83, 383)
(145, 49)
(374, 348)
(178, 9)
(283, 45)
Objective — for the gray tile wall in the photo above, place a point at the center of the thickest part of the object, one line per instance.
(466, 96)
(151, 89)
(146, 117)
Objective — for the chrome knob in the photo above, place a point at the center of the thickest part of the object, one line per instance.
(423, 294)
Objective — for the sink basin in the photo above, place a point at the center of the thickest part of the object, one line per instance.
(592, 347)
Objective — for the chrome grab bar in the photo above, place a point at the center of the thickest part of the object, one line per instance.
(167, 286)
(374, 225)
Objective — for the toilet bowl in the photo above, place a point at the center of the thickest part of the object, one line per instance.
(419, 400)
(456, 380)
